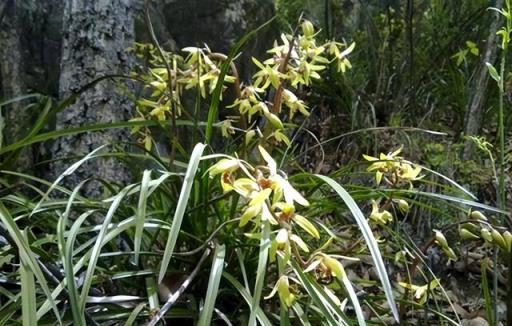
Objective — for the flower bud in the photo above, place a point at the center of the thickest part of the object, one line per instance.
(499, 240)
(441, 240)
(477, 215)
(403, 206)
(223, 165)
(282, 239)
(249, 136)
(486, 234)
(450, 253)
(274, 120)
(508, 239)
(470, 227)
(307, 28)
(334, 266)
(283, 289)
(465, 234)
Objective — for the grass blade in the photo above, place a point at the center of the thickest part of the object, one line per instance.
(330, 311)
(457, 200)
(28, 293)
(141, 213)
(66, 252)
(69, 170)
(19, 99)
(88, 128)
(113, 232)
(133, 316)
(152, 293)
(353, 298)
(26, 255)
(97, 247)
(260, 314)
(369, 238)
(261, 270)
(213, 286)
(487, 293)
(180, 208)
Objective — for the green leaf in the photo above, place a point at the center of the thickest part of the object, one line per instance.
(180, 208)
(330, 311)
(70, 170)
(19, 99)
(28, 293)
(90, 128)
(66, 252)
(261, 270)
(353, 298)
(493, 72)
(487, 293)
(98, 245)
(140, 216)
(133, 316)
(260, 314)
(369, 238)
(213, 286)
(27, 256)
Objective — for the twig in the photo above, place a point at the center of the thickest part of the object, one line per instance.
(207, 241)
(175, 296)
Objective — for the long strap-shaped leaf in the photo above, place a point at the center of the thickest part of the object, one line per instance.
(38, 138)
(141, 213)
(213, 286)
(98, 245)
(28, 293)
(260, 314)
(66, 253)
(70, 170)
(26, 255)
(261, 270)
(369, 238)
(180, 208)
(333, 315)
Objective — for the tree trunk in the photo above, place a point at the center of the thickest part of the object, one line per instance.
(479, 86)
(14, 118)
(97, 34)
(55, 47)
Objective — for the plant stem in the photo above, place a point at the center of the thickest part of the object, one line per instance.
(501, 178)
(174, 136)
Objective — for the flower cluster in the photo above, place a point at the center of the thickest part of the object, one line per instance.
(393, 168)
(294, 63)
(269, 197)
(167, 80)
(395, 171)
(478, 228)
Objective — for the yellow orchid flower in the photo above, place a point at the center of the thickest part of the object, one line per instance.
(282, 288)
(326, 267)
(380, 216)
(420, 291)
(408, 172)
(281, 184)
(267, 75)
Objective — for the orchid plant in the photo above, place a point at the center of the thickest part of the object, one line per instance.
(295, 62)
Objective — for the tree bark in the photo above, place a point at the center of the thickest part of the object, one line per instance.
(14, 117)
(476, 103)
(97, 34)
